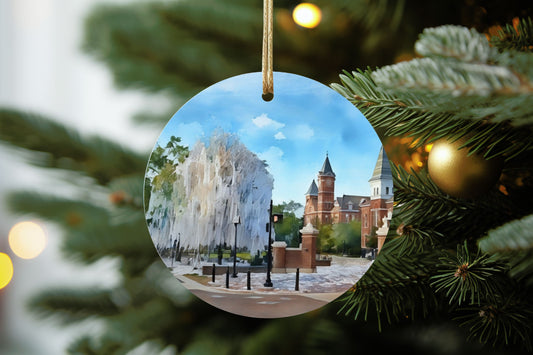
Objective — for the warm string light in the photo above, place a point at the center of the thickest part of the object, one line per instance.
(27, 239)
(307, 15)
(6, 270)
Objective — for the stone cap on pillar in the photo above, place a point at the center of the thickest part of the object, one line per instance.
(279, 244)
(309, 229)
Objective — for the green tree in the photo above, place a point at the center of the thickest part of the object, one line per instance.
(161, 169)
(289, 229)
(325, 242)
(347, 237)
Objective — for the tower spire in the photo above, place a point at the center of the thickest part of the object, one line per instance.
(382, 168)
(326, 168)
(313, 189)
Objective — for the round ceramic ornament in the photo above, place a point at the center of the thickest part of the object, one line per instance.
(266, 209)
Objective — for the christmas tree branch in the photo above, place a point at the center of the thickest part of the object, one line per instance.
(507, 321)
(513, 242)
(394, 287)
(461, 43)
(64, 148)
(421, 205)
(90, 229)
(444, 96)
(70, 213)
(98, 241)
(513, 236)
(466, 276)
(518, 36)
(74, 305)
(412, 239)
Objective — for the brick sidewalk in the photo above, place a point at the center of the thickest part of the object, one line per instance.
(260, 305)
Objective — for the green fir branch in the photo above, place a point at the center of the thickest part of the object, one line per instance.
(437, 76)
(69, 305)
(416, 194)
(72, 214)
(513, 236)
(129, 190)
(99, 240)
(64, 148)
(511, 38)
(457, 42)
(466, 276)
(430, 218)
(90, 231)
(504, 322)
(394, 288)
(513, 242)
(430, 118)
(413, 239)
(446, 96)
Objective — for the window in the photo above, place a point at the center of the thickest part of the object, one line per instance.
(387, 190)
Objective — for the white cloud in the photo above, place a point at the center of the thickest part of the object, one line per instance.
(263, 121)
(279, 136)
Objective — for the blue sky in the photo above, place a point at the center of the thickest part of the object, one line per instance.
(292, 132)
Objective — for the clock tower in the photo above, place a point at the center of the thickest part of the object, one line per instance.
(326, 192)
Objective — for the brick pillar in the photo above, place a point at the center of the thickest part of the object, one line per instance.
(278, 256)
(309, 235)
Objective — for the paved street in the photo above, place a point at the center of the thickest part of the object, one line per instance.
(259, 303)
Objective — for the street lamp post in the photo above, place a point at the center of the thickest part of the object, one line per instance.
(236, 220)
(173, 253)
(272, 218)
(268, 282)
(178, 248)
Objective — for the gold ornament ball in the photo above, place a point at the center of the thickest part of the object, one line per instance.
(458, 174)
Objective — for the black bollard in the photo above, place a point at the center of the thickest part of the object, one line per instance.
(213, 273)
(227, 278)
(297, 286)
(248, 281)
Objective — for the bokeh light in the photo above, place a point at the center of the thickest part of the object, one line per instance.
(6, 270)
(27, 239)
(307, 15)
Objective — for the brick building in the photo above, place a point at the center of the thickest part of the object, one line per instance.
(321, 206)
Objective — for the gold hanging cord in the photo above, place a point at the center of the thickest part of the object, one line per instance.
(268, 74)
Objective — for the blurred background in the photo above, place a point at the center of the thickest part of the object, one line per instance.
(44, 70)
(118, 70)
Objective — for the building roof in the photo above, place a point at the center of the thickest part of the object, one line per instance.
(382, 169)
(313, 189)
(345, 201)
(326, 168)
